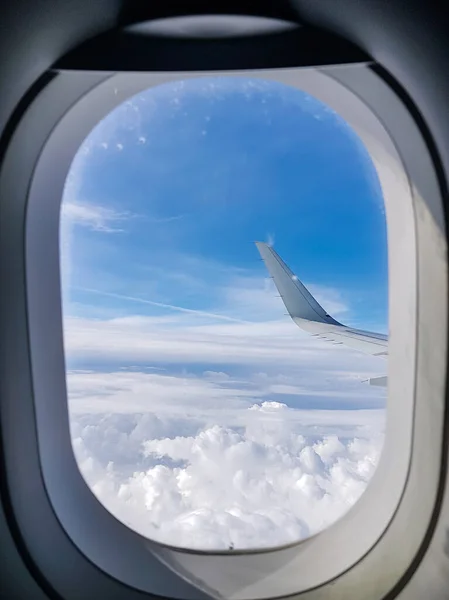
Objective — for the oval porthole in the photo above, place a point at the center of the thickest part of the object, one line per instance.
(216, 400)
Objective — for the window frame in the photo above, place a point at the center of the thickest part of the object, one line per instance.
(83, 531)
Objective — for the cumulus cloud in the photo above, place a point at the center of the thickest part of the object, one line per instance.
(260, 486)
(203, 462)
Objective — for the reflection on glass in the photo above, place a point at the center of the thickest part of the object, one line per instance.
(201, 415)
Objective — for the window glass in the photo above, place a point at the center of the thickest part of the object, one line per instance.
(201, 414)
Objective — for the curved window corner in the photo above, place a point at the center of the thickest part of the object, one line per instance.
(231, 432)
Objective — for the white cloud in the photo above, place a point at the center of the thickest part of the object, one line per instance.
(272, 477)
(254, 298)
(92, 216)
(197, 337)
(219, 398)
(245, 324)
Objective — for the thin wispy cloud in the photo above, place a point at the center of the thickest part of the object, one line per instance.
(95, 217)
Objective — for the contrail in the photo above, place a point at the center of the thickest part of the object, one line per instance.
(201, 313)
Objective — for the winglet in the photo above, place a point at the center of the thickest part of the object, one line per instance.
(298, 301)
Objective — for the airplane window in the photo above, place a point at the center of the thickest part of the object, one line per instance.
(224, 285)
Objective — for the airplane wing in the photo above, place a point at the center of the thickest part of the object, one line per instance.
(309, 315)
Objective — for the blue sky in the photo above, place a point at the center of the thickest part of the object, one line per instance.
(193, 172)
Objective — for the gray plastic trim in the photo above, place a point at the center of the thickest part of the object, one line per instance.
(374, 544)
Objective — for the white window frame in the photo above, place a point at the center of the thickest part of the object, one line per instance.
(373, 545)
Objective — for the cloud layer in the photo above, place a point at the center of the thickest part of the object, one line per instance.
(217, 472)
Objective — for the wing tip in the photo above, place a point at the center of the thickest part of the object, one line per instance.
(299, 302)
